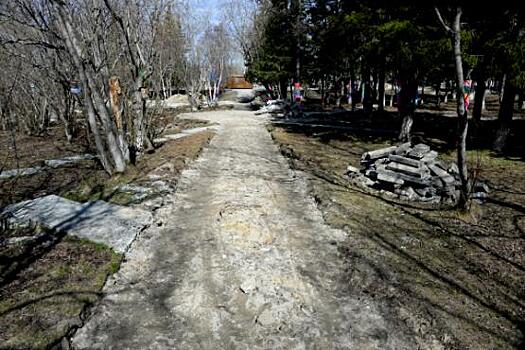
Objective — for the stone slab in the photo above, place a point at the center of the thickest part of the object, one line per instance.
(113, 225)
(20, 172)
(57, 163)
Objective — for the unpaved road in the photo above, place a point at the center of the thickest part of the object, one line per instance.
(242, 260)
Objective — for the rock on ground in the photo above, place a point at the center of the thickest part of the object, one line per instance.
(98, 221)
(239, 258)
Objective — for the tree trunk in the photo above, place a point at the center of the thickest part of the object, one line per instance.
(506, 111)
(479, 99)
(502, 90)
(283, 87)
(322, 92)
(352, 90)
(381, 99)
(406, 127)
(93, 102)
(462, 114)
(138, 108)
(367, 94)
(406, 106)
(521, 100)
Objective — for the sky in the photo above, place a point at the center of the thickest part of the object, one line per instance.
(211, 8)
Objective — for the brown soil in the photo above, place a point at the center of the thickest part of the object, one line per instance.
(166, 163)
(88, 180)
(22, 151)
(454, 277)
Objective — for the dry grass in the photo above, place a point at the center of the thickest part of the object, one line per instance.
(453, 277)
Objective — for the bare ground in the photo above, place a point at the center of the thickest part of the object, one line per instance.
(87, 180)
(458, 278)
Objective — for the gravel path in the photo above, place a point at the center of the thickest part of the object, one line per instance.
(239, 258)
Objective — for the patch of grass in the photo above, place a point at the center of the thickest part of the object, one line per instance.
(48, 294)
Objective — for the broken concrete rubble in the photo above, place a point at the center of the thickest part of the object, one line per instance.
(274, 106)
(412, 173)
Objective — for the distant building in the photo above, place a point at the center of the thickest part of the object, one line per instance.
(238, 82)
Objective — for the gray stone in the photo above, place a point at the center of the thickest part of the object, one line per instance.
(404, 160)
(419, 151)
(20, 172)
(453, 169)
(421, 147)
(160, 140)
(379, 153)
(402, 148)
(443, 175)
(160, 186)
(409, 170)
(51, 163)
(184, 133)
(481, 187)
(57, 163)
(480, 195)
(351, 169)
(429, 157)
(405, 177)
(101, 222)
(407, 192)
(389, 178)
(139, 192)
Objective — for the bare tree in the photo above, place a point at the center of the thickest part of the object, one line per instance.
(245, 19)
(455, 33)
(217, 59)
(88, 45)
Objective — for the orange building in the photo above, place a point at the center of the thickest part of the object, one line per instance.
(238, 82)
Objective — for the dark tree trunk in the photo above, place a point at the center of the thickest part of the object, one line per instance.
(322, 92)
(479, 98)
(521, 100)
(374, 87)
(406, 106)
(283, 87)
(506, 111)
(381, 99)
(422, 98)
(352, 90)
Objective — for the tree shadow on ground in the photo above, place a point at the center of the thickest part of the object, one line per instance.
(436, 130)
(465, 276)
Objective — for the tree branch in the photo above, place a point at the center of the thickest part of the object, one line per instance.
(447, 28)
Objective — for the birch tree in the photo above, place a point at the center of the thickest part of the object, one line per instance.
(455, 33)
(217, 56)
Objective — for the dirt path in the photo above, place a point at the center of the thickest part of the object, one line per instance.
(242, 260)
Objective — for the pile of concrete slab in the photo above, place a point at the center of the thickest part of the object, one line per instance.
(274, 107)
(409, 172)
